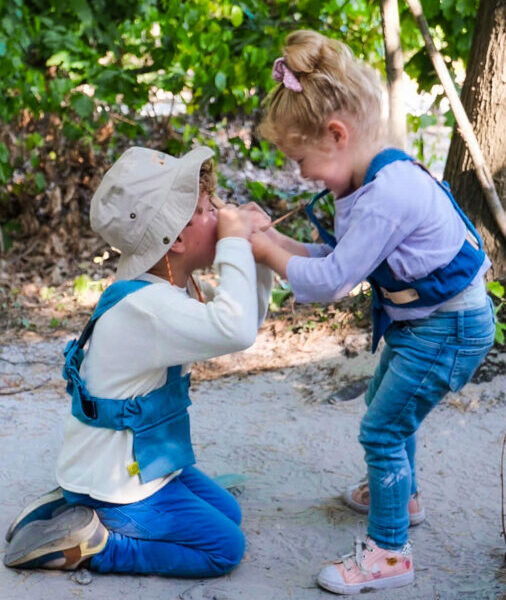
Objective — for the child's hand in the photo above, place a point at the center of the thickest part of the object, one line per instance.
(261, 221)
(261, 245)
(259, 218)
(268, 252)
(233, 222)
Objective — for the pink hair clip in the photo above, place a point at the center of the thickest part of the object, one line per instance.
(282, 73)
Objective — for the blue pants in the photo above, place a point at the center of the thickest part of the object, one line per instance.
(189, 528)
(423, 359)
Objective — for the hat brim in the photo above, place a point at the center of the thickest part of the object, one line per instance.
(133, 265)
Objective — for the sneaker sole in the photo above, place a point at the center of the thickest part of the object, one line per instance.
(54, 497)
(375, 584)
(414, 518)
(67, 530)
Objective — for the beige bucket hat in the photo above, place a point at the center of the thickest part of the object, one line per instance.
(144, 202)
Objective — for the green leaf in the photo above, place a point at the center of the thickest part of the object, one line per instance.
(499, 333)
(59, 58)
(40, 181)
(83, 105)
(257, 189)
(220, 81)
(278, 296)
(83, 11)
(236, 16)
(496, 288)
(427, 121)
(34, 140)
(81, 284)
(4, 153)
(8, 25)
(72, 131)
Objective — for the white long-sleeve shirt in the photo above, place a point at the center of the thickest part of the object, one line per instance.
(132, 346)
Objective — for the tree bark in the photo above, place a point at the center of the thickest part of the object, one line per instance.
(484, 99)
(394, 63)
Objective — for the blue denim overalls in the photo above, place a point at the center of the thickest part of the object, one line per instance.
(159, 420)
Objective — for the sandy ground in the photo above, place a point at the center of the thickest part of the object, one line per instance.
(296, 443)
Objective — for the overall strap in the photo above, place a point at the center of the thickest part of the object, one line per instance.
(382, 159)
(325, 235)
(74, 352)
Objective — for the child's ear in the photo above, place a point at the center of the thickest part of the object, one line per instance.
(339, 132)
(178, 247)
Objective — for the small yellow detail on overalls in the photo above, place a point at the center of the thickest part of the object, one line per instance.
(133, 469)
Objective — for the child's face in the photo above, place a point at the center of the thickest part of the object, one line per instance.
(324, 160)
(200, 235)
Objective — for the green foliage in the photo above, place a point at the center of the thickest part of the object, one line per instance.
(264, 155)
(279, 295)
(220, 51)
(85, 60)
(452, 25)
(268, 196)
(83, 283)
(498, 291)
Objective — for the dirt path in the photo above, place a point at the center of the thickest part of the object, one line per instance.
(287, 431)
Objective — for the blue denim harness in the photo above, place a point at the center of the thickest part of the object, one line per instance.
(435, 288)
(159, 420)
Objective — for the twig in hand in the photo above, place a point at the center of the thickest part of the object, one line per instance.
(219, 203)
(283, 217)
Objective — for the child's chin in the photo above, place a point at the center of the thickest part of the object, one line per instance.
(205, 263)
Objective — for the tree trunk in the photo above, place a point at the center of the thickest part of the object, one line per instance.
(394, 63)
(484, 99)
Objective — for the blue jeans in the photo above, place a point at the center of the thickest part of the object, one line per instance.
(189, 528)
(423, 360)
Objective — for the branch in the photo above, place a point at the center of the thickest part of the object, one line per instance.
(394, 67)
(11, 391)
(465, 127)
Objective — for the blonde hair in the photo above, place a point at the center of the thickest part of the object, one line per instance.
(207, 178)
(332, 80)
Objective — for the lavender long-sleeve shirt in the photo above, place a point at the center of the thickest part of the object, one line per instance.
(402, 216)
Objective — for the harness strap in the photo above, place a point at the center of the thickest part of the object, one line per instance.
(325, 235)
(74, 353)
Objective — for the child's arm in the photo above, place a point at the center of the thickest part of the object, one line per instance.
(177, 329)
(259, 219)
(268, 252)
(368, 240)
(293, 247)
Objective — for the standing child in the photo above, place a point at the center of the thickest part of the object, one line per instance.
(130, 499)
(401, 229)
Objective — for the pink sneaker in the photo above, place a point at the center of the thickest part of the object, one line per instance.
(370, 567)
(357, 497)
